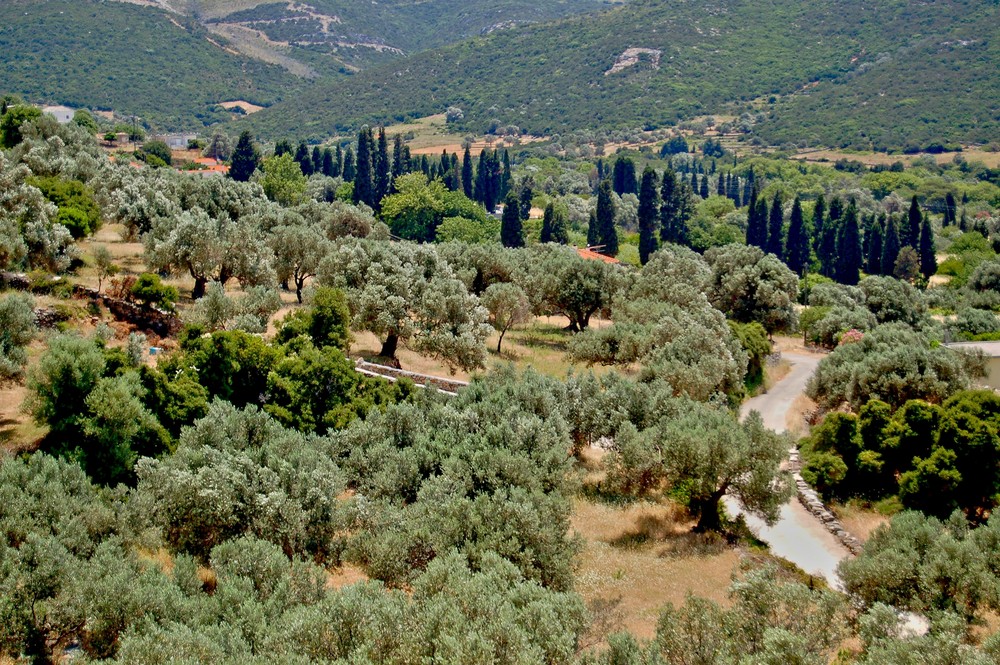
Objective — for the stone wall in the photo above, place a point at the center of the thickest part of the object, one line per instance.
(810, 499)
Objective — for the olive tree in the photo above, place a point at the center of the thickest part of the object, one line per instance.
(508, 305)
(749, 285)
(298, 252)
(17, 329)
(405, 292)
(210, 250)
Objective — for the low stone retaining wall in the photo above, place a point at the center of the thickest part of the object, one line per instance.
(392, 373)
(810, 499)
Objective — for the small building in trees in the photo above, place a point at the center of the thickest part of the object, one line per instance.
(591, 255)
(62, 114)
(992, 352)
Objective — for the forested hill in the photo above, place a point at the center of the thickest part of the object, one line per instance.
(172, 62)
(895, 66)
(135, 60)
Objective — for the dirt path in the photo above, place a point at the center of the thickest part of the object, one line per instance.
(797, 536)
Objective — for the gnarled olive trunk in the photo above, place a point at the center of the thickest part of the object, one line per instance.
(389, 346)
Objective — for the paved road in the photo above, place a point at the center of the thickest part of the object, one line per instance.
(797, 536)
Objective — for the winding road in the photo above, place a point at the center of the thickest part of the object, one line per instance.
(797, 536)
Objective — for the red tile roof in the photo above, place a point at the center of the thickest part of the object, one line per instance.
(595, 256)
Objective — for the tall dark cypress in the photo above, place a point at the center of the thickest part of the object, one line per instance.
(748, 185)
(505, 176)
(668, 199)
(338, 163)
(694, 181)
(607, 233)
(890, 246)
(757, 221)
(364, 177)
(797, 248)
(511, 231)
(524, 201)
(623, 176)
(703, 192)
(928, 250)
(283, 147)
(304, 159)
(244, 160)
(913, 221)
(593, 235)
(849, 259)
(317, 160)
(398, 159)
(328, 163)
(775, 228)
(548, 219)
(350, 167)
(819, 221)
(467, 173)
(950, 210)
(560, 228)
(874, 264)
(720, 185)
(382, 168)
(648, 214)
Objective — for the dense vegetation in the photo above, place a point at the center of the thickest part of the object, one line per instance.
(208, 506)
(711, 59)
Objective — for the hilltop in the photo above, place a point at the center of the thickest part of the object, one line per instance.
(795, 71)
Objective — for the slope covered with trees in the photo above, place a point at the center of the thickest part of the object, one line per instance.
(653, 63)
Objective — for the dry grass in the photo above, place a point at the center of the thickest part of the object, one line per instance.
(18, 432)
(796, 420)
(640, 557)
(775, 373)
(160, 558)
(344, 576)
(990, 159)
(859, 521)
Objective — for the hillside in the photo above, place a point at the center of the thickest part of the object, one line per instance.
(131, 59)
(172, 61)
(651, 63)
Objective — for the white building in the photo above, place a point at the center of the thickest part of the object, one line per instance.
(63, 114)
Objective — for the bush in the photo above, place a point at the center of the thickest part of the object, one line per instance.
(151, 290)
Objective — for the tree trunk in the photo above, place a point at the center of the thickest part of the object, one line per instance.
(298, 288)
(389, 346)
(500, 341)
(708, 518)
(199, 287)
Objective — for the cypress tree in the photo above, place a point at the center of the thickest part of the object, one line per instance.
(829, 245)
(963, 222)
(382, 170)
(836, 210)
(720, 185)
(749, 185)
(283, 147)
(548, 218)
(648, 214)
(890, 246)
(849, 259)
(797, 250)
(694, 181)
(317, 160)
(244, 160)
(775, 228)
(511, 232)
(668, 202)
(593, 236)
(623, 176)
(350, 169)
(467, 173)
(524, 202)
(364, 177)
(703, 192)
(425, 166)
(338, 163)
(950, 210)
(913, 221)
(875, 242)
(928, 251)
(398, 160)
(757, 221)
(607, 234)
(505, 176)
(304, 160)
(560, 229)
(819, 221)
(328, 163)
